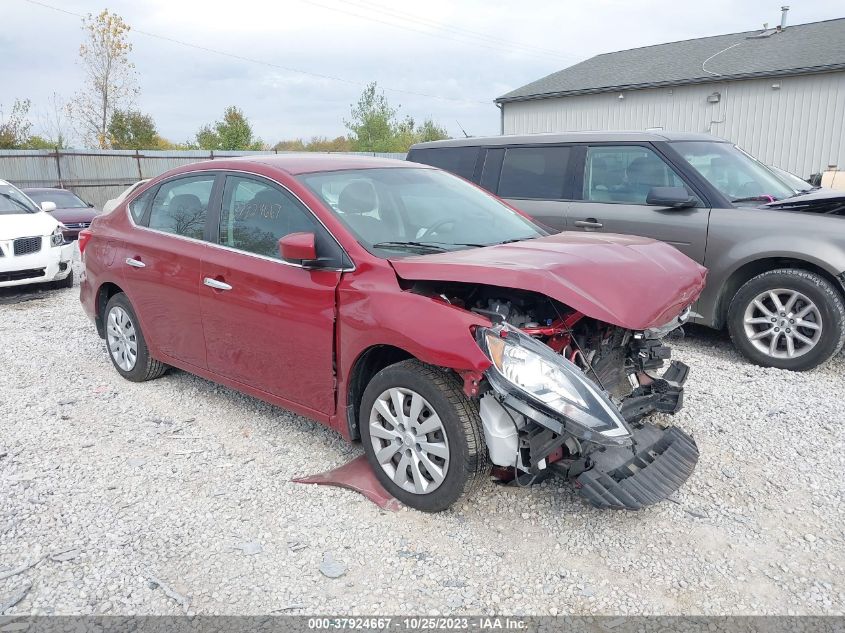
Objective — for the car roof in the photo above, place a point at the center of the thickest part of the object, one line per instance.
(44, 189)
(571, 137)
(303, 163)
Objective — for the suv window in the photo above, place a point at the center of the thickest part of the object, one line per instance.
(534, 173)
(180, 206)
(458, 160)
(625, 174)
(256, 215)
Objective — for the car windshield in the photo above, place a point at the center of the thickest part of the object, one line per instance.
(63, 199)
(13, 202)
(411, 211)
(737, 175)
(798, 185)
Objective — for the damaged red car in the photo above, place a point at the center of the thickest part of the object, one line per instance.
(407, 308)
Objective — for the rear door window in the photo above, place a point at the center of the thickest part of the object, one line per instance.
(537, 173)
(458, 160)
(180, 206)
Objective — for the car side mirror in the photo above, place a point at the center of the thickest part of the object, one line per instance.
(90, 204)
(670, 198)
(298, 248)
(48, 206)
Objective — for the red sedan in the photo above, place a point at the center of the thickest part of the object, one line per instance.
(405, 307)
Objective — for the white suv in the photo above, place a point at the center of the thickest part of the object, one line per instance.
(32, 248)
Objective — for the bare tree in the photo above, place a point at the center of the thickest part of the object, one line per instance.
(110, 76)
(52, 124)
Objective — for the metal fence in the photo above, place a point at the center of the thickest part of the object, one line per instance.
(99, 175)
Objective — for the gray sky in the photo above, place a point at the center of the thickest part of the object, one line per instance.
(466, 52)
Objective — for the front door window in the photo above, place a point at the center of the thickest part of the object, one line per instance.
(625, 174)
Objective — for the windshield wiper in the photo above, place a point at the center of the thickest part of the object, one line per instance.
(760, 198)
(420, 245)
(16, 201)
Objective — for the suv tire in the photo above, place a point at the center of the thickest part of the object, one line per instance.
(787, 318)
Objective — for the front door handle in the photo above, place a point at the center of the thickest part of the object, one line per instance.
(217, 285)
(135, 263)
(589, 223)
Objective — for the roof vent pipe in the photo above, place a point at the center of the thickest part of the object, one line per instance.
(783, 11)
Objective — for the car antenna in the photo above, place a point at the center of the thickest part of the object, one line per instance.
(462, 129)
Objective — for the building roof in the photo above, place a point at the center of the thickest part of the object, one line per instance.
(799, 49)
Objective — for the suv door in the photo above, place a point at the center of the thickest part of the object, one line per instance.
(533, 179)
(616, 182)
(269, 323)
(162, 258)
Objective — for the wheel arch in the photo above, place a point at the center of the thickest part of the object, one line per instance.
(368, 363)
(105, 292)
(747, 271)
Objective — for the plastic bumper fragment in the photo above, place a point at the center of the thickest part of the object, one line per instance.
(663, 460)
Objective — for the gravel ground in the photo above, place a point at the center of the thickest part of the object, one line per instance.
(174, 496)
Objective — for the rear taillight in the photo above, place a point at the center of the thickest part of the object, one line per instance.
(84, 238)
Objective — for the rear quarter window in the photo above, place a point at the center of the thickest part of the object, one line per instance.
(457, 160)
(138, 205)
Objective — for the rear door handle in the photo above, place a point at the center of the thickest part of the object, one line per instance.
(135, 263)
(589, 223)
(217, 285)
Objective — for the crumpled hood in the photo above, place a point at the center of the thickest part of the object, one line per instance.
(26, 225)
(828, 201)
(632, 282)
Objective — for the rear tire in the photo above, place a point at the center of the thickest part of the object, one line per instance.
(432, 453)
(788, 318)
(125, 342)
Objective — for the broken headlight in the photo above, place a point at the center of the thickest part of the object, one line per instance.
(57, 238)
(545, 378)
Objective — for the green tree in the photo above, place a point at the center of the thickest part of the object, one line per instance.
(130, 129)
(233, 132)
(110, 76)
(372, 122)
(316, 144)
(15, 130)
(374, 125)
(430, 131)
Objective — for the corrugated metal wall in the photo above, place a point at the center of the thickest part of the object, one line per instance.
(98, 175)
(799, 126)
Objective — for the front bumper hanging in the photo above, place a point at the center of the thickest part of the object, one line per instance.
(631, 478)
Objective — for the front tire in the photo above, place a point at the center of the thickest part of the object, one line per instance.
(125, 342)
(422, 436)
(787, 318)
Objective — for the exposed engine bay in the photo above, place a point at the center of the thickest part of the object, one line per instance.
(571, 394)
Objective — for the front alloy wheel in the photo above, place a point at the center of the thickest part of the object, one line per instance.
(788, 318)
(422, 435)
(783, 323)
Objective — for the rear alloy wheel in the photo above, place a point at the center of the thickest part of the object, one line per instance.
(125, 342)
(422, 436)
(788, 318)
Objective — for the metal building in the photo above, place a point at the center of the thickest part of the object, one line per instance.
(777, 93)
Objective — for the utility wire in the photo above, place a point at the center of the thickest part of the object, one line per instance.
(262, 62)
(457, 29)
